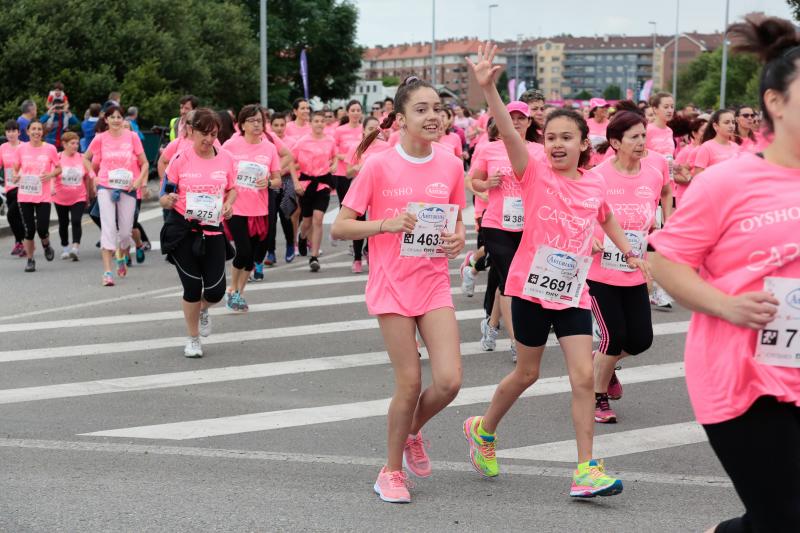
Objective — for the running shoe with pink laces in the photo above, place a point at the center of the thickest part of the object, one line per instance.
(415, 459)
(614, 388)
(392, 487)
(603, 413)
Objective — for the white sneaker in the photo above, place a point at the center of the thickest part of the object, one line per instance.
(193, 348)
(660, 299)
(467, 281)
(205, 323)
(488, 335)
(73, 253)
(65, 254)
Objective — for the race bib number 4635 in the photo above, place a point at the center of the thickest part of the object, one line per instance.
(432, 220)
(778, 344)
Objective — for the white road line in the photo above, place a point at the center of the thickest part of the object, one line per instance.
(372, 462)
(614, 444)
(175, 315)
(221, 338)
(236, 373)
(290, 418)
(150, 214)
(348, 264)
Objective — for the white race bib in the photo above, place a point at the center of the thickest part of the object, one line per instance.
(779, 343)
(204, 207)
(248, 173)
(557, 276)
(614, 259)
(513, 213)
(71, 176)
(31, 185)
(120, 178)
(432, 220)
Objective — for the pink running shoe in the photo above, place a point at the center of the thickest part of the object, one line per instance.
(357, 268)
(603, 413)
(614, 388)
(392, 487)
(415, 459)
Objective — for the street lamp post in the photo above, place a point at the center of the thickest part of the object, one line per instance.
(516, 66)
(491, 6)
(433, 45)
(263, 46)
(724, 79)
(675, 54)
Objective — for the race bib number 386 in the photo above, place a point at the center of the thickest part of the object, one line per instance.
(432, 220)
(557, 276)
(779, 343)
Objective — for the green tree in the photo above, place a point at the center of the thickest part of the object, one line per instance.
(502, 85)
(390, 81)
(583, 95)
(326, 29)
(612, 92)
(699, 81)
(794, 5)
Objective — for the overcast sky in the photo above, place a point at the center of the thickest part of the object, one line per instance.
(398, 21)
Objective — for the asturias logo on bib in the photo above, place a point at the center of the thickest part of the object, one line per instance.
(633, 239)
(644, 192)
(432, 215)
(438, 190)
(562, 261)
(793, 299)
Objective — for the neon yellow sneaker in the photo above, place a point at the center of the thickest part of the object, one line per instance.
(481, 447)
(590, 480)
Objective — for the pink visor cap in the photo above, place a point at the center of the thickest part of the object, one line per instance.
(519, 107)
(597, 102)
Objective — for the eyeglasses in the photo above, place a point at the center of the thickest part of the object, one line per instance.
(254, 121)
(747, 115)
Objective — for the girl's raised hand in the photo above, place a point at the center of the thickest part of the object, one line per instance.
(485, 72)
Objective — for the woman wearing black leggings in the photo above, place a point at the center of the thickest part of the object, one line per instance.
(70, 196)
(199, 193)
(729, 253)
(8, 157)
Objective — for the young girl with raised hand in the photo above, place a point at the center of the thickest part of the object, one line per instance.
(547, 277)
(414, 194)
(730, 254)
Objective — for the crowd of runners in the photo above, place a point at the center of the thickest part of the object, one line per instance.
(586, 220)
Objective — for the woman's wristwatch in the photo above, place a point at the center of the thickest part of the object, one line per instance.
(632, 253)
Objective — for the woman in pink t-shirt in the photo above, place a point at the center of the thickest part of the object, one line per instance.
(8, 158)
(745, 135)
(409, 284)
(562, 205)
(598, 120)
(620, 300)
(659, 135)
(200, 193)
(731, 254)
(685, 159)
(69, 195)
(449, 137)
(717, 143)
(301, 125)
(37, 163)
(354, 164)
(258, 167)
(346, 138)
(123, 170)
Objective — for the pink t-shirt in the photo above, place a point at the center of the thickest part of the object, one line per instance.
(70, 193)
(377, 146)
(685, 158)
(346, 137)
(330, 128)
(388, 181)
(252, 202)
(36, 161)
(711, 152)
(478, 202)
(633, 199)
(559, 212)
(759, 145)
(493, 158)
(192, 173)
(737, 224)
(597, 130)
(394, 138)
(294, 130)
(314, 156)
(115, 153)
(660, 140)
(453, 141)
(8, 158)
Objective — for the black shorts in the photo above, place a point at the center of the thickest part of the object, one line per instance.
(532, 322)
(314, 201)
(623, 317)
(501, 245)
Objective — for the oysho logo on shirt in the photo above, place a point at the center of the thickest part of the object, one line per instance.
(397, 192)
(438, 190)
(591, 203)
(644, 192)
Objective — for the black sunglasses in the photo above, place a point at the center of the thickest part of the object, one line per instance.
(747, 115)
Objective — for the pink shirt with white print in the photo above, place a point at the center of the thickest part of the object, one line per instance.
(561, 213)
(314, 156)
(119, 152)
(388, 181)
(70, 194)
(633, 199)
(252, 202)
(736, 225)
(36, 161)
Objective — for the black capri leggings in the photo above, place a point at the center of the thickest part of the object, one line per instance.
(67, 213)
(342, 186)
(247, 247)
(501, 245)
(760, 451)
(202, 276)
(36, 218)
(623, 315)
(14, 215)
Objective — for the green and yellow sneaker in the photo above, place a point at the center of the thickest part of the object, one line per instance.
(590, 480)
(481, 447)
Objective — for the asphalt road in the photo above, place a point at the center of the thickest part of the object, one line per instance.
(105, 426)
